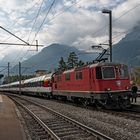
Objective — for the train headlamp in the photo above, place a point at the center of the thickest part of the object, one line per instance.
(127, 87)
(108, 89)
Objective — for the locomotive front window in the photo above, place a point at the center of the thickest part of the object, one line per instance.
(123, 72)
(108, 72)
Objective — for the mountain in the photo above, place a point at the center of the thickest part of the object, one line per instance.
(128, 49)
(48, 58)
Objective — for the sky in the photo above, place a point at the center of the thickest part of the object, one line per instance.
(78, 23)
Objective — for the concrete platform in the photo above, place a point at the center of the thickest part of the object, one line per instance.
(138, 101)
(10, 126)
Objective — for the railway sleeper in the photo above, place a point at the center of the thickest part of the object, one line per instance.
(78, 136)
(56, 123)
(41, 133)
(61, 127)
(74, 132)
(45, 137)
(52, 121)
(62, 130)
(67, 131)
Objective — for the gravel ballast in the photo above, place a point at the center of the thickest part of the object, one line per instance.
(116, 127)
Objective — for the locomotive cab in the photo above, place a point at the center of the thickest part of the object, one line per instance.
(112, 85)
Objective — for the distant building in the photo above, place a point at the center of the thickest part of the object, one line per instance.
(40, 72)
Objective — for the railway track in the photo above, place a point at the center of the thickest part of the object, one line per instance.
(50, 124)
(133, 113)
(127, 113)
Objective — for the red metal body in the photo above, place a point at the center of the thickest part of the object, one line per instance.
(88, 83)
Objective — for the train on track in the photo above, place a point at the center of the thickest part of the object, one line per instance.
(105, 84)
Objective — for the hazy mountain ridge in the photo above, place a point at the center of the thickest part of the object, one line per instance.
(48, 58)
(128, 49)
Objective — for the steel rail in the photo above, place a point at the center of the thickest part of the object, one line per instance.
(46, 128)
(93, 132)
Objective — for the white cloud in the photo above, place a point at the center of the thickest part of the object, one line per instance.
(130, 14)
(82, 25)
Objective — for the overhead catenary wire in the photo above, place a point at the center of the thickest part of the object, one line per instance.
(60, 13)
(14, 35)
(119, 17)
(4, 69)
(42, 23)
(21, 37)
(116, 19)
(44, 19)
(17, 19)
(39, 10)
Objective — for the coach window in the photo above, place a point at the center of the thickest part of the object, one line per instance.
(79, 75)
(67, 76)
(42, 83)
(27, 84)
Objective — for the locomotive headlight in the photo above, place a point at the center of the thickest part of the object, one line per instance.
(127, 87)
(108, 89)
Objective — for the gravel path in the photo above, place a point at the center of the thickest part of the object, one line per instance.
(116, 127)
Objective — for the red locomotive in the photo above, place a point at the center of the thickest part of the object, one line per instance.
(106, 84)
(103, 83)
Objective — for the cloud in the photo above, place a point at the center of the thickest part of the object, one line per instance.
(130, 14)
(70, 27)
(82, 25)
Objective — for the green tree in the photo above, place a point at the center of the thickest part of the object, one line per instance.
(62, 64)
(81, 63)
(72, 60)
(136, 75)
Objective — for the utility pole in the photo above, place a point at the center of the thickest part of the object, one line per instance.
(37, 45)
(8, 80)
(8, 72)
(25, 43)
(110, 34)
(106, 11)
(19, 78)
